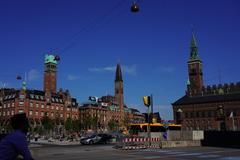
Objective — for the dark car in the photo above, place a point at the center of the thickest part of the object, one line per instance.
(105, 138)
(96, 138)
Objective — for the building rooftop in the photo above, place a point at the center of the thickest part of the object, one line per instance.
(208, 98)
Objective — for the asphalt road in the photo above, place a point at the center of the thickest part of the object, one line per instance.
(107, 152)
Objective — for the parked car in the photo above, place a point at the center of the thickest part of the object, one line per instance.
(90, 139)
(96, 138)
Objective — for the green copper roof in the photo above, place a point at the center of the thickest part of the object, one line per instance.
(188, 82)
(50, 59)
(193, 49)
(24, 84)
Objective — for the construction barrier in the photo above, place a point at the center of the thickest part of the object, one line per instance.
(140, 143)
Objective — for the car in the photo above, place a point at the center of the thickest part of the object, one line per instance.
(96, 138)
(105, 138)
(90, 139)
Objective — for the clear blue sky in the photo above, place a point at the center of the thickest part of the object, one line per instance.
(92, 36)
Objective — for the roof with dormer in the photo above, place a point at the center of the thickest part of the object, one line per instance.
(227, 97)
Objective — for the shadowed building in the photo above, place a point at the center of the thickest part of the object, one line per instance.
(215, 107)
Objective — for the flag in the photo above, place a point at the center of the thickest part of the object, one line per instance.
(231, 115)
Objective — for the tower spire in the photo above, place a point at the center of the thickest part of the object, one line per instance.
(193, 49)
(118, 76)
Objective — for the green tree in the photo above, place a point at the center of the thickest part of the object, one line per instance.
(87, 122)
(112, 124)
(94, 122)
(69, 124)
(76, 125)
(47, 123)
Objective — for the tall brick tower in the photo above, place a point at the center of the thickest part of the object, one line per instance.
(50, 74)
(194, 68)
(119, 92)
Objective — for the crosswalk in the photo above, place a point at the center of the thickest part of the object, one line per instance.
(164, 153)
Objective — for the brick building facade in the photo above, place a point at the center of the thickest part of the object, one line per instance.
(37, 103)
(215, 107)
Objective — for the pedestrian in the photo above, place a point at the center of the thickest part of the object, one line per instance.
(15, 144)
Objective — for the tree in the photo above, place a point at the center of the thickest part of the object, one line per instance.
(87, 122)
(69, 124)
(94, 122)
(76, 125)
(47, 123)
(112, 124)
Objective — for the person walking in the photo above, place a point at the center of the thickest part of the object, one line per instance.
(15, 144)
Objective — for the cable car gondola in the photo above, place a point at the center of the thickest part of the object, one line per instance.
(18, 77)
(57, 58)
(134, 7)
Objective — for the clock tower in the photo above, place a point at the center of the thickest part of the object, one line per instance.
(50, 74)
(195, 74)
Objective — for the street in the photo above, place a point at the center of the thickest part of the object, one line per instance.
(107, 152)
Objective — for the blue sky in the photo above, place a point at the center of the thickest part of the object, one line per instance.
(92, 36)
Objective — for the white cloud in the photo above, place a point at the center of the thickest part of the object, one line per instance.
(33, 74)
(71, 77)
(167, 69)
(131, 70)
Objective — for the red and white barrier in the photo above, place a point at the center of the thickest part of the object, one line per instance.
(140, 143)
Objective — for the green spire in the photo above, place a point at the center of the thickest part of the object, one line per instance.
(188, 82)
(24, 84)
(193, 49)
(50, 59)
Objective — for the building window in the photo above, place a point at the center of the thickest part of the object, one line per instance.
(21, 103)
(203, 114)
(61, 115)
(4, 106)
(52, 114)
(56, 107)
(42, 105)
(37, 105)
(8, 113)
(61, 108)
(42, 114)
(12, 113)
(30, 113)
(209, 113)
(197, 114)
(8, 105)
(20, 111)
(192, 115)
(36, 113)
(31, 96)
(3, 113)
(31, 104)
(68, 109)
(13, 104)
(67, 115)
(0, 113)
(186, 115)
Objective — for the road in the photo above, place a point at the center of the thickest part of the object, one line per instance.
(107, 152)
